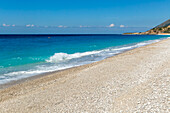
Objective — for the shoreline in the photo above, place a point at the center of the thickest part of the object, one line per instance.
(131, 74)
(22, 80)
(145, 34)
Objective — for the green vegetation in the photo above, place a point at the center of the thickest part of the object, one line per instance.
(160, 28)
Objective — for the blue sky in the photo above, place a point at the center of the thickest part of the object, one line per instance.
(81, 16)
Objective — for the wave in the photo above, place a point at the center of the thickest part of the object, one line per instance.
(64, 57)
(59, 57)
(61, 61)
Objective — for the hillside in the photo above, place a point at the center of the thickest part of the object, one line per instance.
(164, 24)
(163, 29)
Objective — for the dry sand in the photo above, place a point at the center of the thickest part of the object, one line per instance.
(134, 81)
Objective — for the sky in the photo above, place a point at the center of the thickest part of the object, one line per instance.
(81, 16)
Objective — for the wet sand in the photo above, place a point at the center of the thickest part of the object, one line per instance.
(134, 81)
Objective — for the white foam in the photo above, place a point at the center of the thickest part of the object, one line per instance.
(58, 57)
(62, 57)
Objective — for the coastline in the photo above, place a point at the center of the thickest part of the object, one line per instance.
(144, 34)
(25, 79)
(41, 83)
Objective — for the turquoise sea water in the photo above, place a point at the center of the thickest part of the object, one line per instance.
(27, 55)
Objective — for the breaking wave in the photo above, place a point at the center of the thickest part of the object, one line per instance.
(64, 57)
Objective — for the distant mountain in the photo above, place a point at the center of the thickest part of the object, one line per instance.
(163, 29)
(165, 24)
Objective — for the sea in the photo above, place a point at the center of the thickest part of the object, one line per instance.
(23, 56)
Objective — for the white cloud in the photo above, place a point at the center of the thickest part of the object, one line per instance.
(13, 25)
(30, 25)
(83, 26)
(5, 25)
(122, 26)
(60, 26)
(111, 25)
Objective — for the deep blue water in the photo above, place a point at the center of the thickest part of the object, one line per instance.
(27, 55)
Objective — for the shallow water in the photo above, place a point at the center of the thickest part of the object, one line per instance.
(27, 55)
